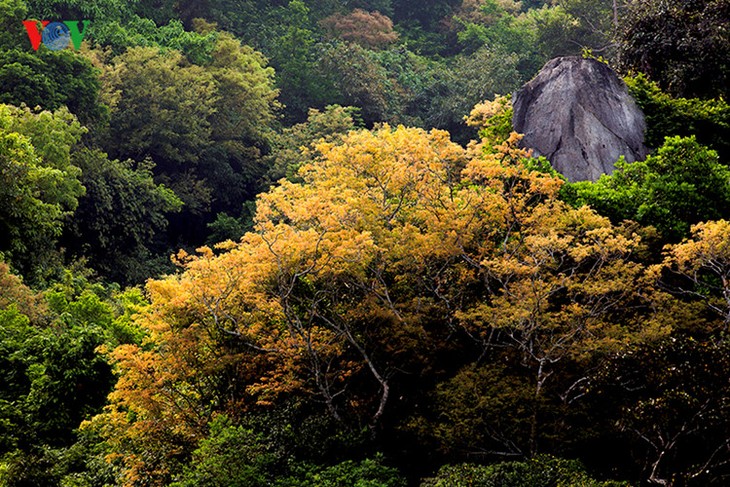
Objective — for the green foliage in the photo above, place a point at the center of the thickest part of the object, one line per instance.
(91, 9)
(243, 113)
(50, 80)
(708, 120)
(361, 81)
(469, 80)
(682, 184)
(541, 471)
(234, 456)
(290, 41)
(85, 463)
(139, 31)
(366, 473)
(119, 219)
(527, 36)
(532, 37)
(246, 98)
(494, 26)
(680, 44)
(160, 108)
(119, 25)
(230, 456)
(383, 6)
(295, 145)
(12, 13)
(76, 302)
(473, 405)
(205, 129)
(417, 79)
(225, 227)
(40, 186)
(50, 370)
(421, 41)
(427, 13)
(52, 377)
(557, 30)
(123, 328)
(594, 25)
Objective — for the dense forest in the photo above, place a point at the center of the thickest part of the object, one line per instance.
(297, 243)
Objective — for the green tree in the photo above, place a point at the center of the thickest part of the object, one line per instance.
(366, 473)
(92, 9)
(707, 120)
(296, 145)
(53, 376)
(560, 31)
(383, 6)
(160, 107)
(362, 81)
(419, 79)
(294, 54)
(205, 130)
(468, 80)
(542, 470)
(484, 411)
(679, 44)
(40, 185)
(290, 149)
(682, 184)
(596, 23)
(244, 111)
(12, 13)
(491, 23)
(427, 13)
(50, 80)
(230, 456)
(120, 222)
(235, 456)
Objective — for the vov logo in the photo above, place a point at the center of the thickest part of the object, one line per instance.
(55, 35)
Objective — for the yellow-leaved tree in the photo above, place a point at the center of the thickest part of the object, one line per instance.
(396, 247)
(702, 265)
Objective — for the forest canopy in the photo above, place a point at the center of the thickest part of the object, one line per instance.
(298, 243)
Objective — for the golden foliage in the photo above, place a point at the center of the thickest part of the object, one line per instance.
(704, 261)
(482, 112)
(14, 292)
(394, 239)
(369, 29)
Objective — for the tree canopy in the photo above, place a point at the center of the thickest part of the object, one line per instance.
(297, 243)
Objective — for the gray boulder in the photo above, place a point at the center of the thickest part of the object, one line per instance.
(578, 114)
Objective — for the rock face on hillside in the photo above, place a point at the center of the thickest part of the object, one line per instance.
(579, 115)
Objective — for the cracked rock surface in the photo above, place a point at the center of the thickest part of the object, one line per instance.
(578, 114)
